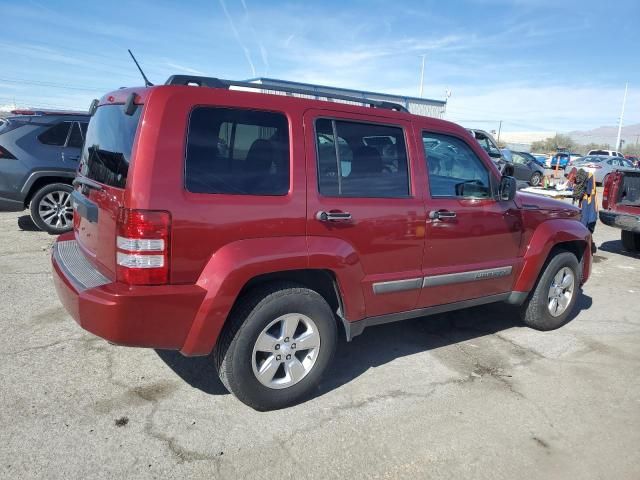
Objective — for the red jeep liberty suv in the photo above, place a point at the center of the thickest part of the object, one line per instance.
(259, 225)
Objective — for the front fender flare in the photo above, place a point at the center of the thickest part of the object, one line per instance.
(547, 235)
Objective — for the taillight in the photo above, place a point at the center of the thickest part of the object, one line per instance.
(4, 153)
(142, 246)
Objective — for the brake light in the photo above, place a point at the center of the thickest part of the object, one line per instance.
(142, 246)
(605, 194)
(4, 153)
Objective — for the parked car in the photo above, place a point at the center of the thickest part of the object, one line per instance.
(573, 156)
(606, 153)
(39, 154)
(602, 166)
(489, 145)
(633, 159)
(216, 219)
(621, 206)
(561, 159)
(541, 159)
(526, 168)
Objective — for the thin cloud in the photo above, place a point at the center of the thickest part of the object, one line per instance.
(184, 68)
(263, 50)
(236, 34)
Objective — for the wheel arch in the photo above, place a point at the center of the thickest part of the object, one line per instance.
(550, 237)
(238, 267)
(38, 180)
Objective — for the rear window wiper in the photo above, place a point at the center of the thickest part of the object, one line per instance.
(87, 183)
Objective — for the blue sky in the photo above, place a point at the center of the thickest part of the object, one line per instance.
(536, 65)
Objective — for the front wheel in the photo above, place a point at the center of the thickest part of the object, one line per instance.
(630, 241)
(51, 208)
(555, 294)
(534, 181)
(276, 346)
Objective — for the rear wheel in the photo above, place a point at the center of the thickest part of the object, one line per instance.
(534, 181)
(51, 208)
(631, 241)
(276, 346)
(555, 294)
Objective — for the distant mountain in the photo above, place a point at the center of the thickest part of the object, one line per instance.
(604, 135)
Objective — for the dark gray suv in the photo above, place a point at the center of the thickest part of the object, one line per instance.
(39, 153)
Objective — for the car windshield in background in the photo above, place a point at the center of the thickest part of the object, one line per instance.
(107, 149)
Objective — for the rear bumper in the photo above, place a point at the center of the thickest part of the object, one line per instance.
(620, 220)
(140, 316)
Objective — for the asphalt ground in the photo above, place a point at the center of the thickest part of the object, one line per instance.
(468, 394)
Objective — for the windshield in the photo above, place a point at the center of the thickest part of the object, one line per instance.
(107, 149)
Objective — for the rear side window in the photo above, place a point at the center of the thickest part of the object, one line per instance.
(76, 138)
(55, 135)
(454, 169)
(107, 149)
(235, 151)
(361, 160)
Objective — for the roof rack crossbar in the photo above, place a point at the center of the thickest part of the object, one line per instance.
(213, 82)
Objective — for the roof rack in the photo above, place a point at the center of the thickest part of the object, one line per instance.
(28, 111)
(213, 82)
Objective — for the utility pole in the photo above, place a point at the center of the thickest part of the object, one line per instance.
(499, 129)
(424, 55)
(624, 101)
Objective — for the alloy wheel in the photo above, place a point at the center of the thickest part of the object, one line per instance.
(561, 291)
(55, 209)
(286, 350)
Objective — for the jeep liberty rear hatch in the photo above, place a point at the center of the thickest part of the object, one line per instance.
(99, 194)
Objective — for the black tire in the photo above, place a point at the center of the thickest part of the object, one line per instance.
(630, 241)
(51, 210)
(234, 355)
(534, 181)
(535, 312)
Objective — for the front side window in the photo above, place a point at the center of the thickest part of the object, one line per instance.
(55, 135)
(361, 160)
(234, 151)
(519, 159)
(454, 169)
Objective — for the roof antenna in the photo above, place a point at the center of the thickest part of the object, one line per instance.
(147, 83)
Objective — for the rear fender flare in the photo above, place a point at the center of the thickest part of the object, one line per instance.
(234, 265)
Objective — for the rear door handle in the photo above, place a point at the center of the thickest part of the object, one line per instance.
(441, 214)
(333, 216)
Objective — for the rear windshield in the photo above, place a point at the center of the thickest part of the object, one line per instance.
(107, 148)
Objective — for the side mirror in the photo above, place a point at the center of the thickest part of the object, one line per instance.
(508, 170)
(494, 154)
(507, 190)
